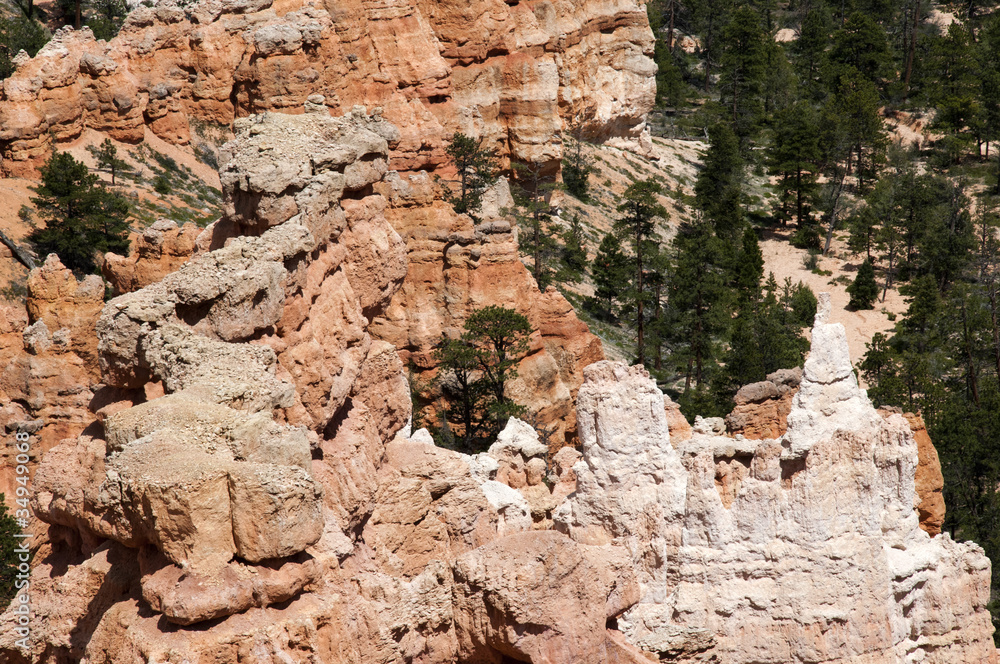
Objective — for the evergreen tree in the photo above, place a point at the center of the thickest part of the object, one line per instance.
(574, 251)
(795, 157)
(719, 186)
(810, 48)
(857, 104)
(699, 296)
(19, 33)
(743, 69)
(709, 18)
(749, 268)
(533, 216)
(480, 363)
(610, 272)
(107, 18)
(81, 217)
(860, 48)
(477, 170)
(863, 290)
(636, 225)
(107, 157)
(576, 170)
(8, 557)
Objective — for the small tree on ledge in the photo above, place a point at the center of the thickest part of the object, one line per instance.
(480, 363)
(477, 168)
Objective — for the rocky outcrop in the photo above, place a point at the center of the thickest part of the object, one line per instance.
(251, 465)
(516, 74)
(762, 408)
(49, 377)
(156, 252)
(798, 549)
(929, 480)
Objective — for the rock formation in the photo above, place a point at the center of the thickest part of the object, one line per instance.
(250, 471)
(804, 548)
(514, 73)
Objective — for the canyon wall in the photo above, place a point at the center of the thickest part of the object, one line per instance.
(516, 74)
(253, 493)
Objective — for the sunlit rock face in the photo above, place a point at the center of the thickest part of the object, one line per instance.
(805, 548)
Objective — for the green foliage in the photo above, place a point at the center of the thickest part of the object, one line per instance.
(795, 157)
(636, 225)
(698, 295)
(743, 70)
(8, 557)
(574, 250)
(81, 217)
(107, 18)
(719, 186)
(610, 271)
(860, 48)
(576, 170)
(863, 290)
(161, 185)
(107, 158)
(477, 367)
(477, 169)
(16, 34)
(532, 214)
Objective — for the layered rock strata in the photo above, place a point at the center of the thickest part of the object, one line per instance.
(516, 74)
(250, 499)
(812, 553)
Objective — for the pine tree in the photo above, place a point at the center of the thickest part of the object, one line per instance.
(860, 48)
(16, 34)
(8, 557)
(533, 216)
(479, 365)
(699, 296)
(857, 104)
(810, 48)
(107, 157)
(743, 69)
(576, 170)
(636, 225)
(749, 268)
(795, 156)
(81, 217)
(574, 251)
(719, 186)
(863, 290)
(477, 170)
(610, 272)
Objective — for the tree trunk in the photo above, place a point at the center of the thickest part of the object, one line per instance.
(21, 254)
(832, 217)
(670, 28)
(798, 194)
(79, 22)
(912, 49)
(973, 379)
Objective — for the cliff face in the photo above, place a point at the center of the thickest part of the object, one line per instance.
(807, 548)
(254, 494)
(515, 73)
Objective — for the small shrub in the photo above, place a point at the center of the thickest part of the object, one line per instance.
(161, 185)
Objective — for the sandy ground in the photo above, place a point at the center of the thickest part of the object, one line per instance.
(785, 261)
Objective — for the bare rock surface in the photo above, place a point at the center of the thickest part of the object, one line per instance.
(804, 548)
(514, 75)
